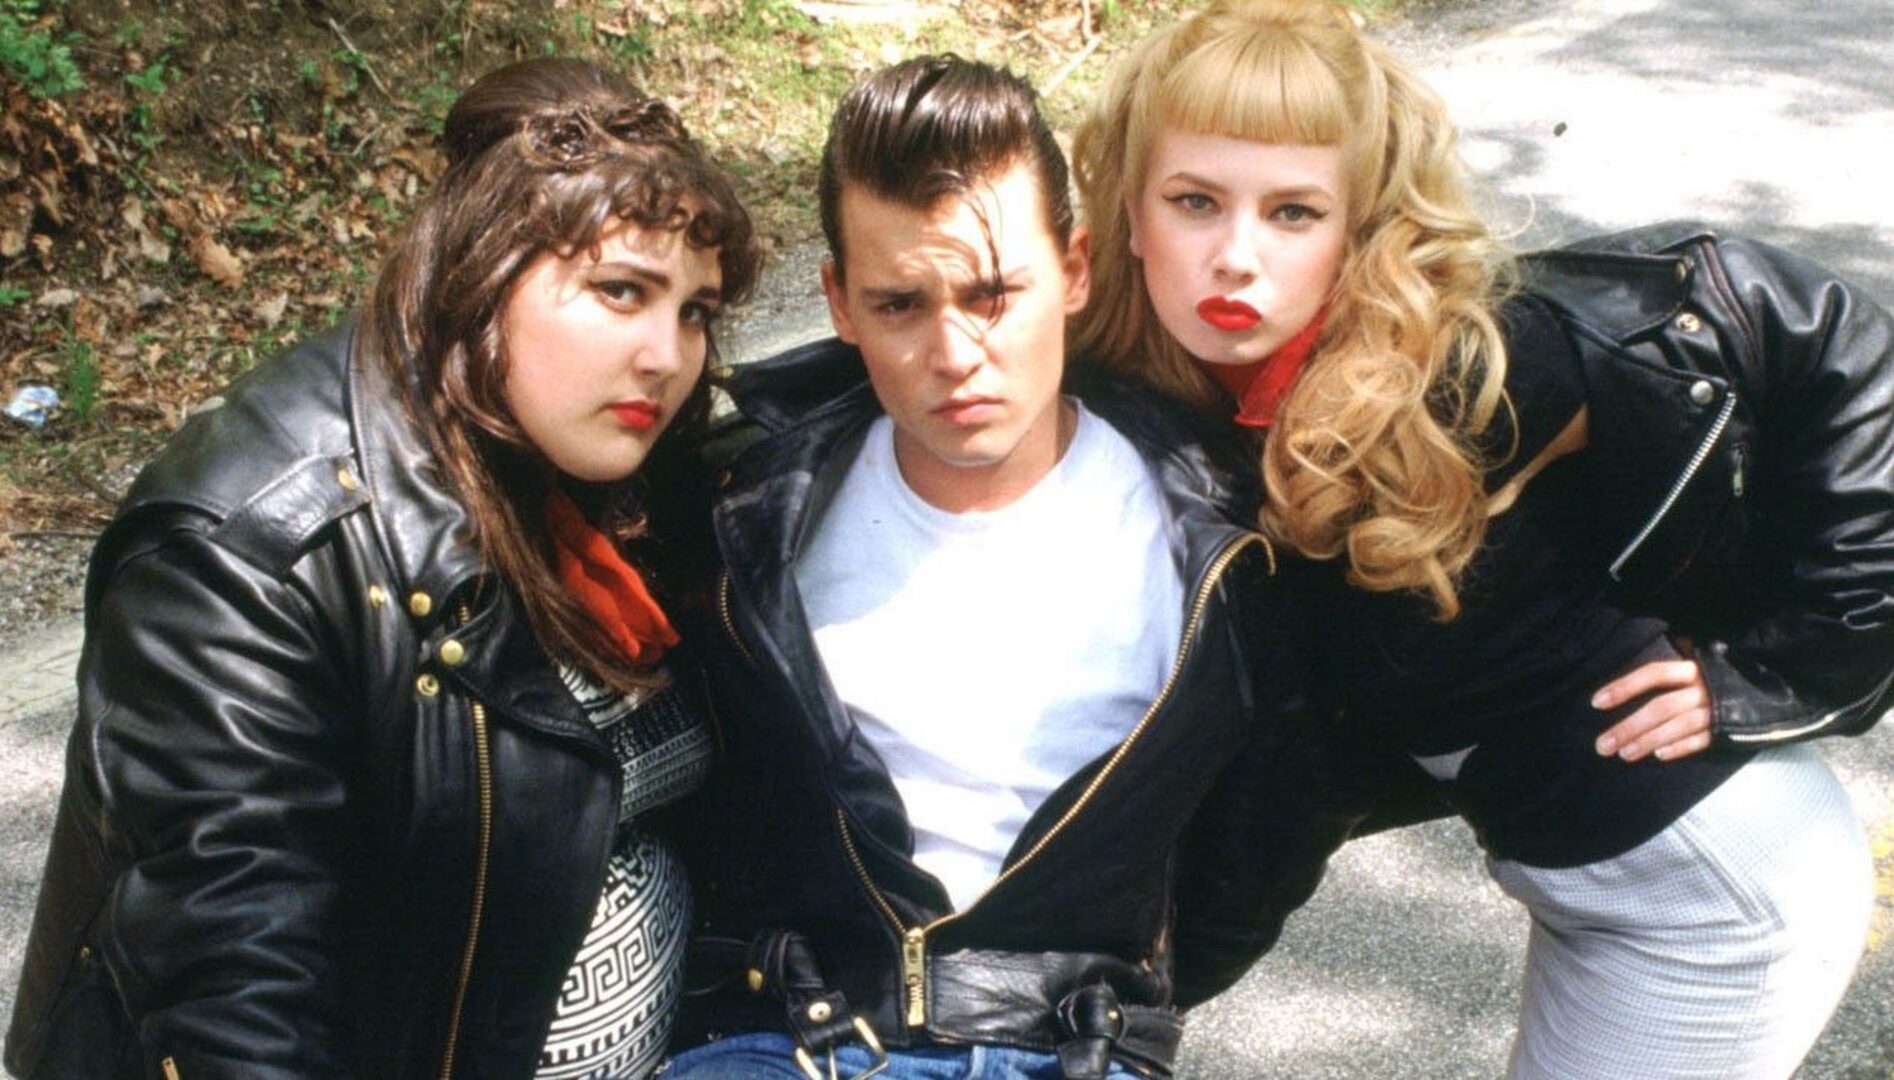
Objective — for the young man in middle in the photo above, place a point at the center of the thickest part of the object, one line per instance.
(1018, 759)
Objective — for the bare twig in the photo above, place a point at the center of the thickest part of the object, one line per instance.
(361, 58)
(129, 167)
(98, 490)
(1052, 47)
(52, 534)
(372, 134)
(1065, 70)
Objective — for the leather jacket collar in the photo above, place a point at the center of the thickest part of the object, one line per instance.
(1621, 292)
(818, 405)
(421, 525)
(821, 392)
(442, 582)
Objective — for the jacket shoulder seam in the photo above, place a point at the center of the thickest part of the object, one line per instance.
(273, 527)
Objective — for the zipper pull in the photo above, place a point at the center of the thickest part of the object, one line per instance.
(1736, 473)
(914, 975)
(170, 1067)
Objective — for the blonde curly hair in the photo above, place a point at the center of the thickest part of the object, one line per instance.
(1375, 454)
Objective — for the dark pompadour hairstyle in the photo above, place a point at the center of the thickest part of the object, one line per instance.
(935, 127)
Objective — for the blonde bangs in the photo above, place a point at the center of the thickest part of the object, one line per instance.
(1260, 87)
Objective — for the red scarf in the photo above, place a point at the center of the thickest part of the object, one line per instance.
(1260, 387)
(605, 585)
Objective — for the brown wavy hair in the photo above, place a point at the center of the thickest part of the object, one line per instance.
(544, 156)
(1375, 454)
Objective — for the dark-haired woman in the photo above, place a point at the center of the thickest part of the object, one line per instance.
(376, 701)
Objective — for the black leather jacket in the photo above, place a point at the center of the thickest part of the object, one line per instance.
(1149, 880)
(328, 811)
(1742, 436)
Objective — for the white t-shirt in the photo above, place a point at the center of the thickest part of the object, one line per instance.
(988, 656)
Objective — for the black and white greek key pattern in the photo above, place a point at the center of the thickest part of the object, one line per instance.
(659, 737)
(615, 1010)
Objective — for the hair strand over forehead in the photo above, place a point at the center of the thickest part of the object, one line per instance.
(937, 127)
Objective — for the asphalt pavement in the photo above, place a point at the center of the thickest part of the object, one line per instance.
(1768, 119)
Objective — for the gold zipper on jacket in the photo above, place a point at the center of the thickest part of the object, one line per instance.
(729, 623)
(914, 938)
(483, 766)
(170, 1067)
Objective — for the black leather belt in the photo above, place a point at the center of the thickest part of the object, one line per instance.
(782, 964)
(1061, 1003)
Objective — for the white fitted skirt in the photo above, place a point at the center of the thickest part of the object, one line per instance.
(1716, 949)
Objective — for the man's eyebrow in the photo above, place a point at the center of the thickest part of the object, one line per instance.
(1013, 275)
(889, 292)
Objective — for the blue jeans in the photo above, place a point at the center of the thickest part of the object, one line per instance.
(766, 1055)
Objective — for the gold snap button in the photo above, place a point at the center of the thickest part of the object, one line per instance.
(427, 685)
(1112, 1015)
(419, 604)
(1702, 392)
(723, 479)
(755, 980)
(346, 479)
(1683, 269)
(452, 652)
(85, 954)
(819, 1012)
(377, 596)
(1689, 323)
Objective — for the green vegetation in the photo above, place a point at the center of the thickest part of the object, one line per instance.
(81, 377)
(31, 55)
(208, 182)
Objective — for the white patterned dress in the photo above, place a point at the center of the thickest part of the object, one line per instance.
(615, 1009)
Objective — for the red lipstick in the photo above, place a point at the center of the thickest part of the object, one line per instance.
(638, 415)
(1227, 314)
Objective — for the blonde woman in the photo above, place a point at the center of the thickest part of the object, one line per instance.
(1609, 532)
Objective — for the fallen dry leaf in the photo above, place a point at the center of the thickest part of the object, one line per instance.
(270, 312)
(217, 261)
(152, 249)
(50, 198)
(90, 322)
(427, 162)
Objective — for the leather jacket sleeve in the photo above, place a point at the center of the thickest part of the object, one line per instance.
(1820, 377)
(1257, 847)
(217, 724)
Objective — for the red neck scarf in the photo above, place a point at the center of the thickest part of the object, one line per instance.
(1260, 387)
(607, 586)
